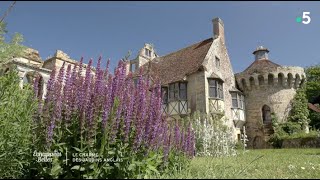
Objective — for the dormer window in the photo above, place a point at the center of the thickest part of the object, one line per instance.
(147, 52)
(237, 100)
(215, 88)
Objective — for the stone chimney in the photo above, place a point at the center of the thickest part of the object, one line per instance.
(218, 29)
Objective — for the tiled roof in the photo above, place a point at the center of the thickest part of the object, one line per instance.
(263, 65)
(313, 107)
(177, 65)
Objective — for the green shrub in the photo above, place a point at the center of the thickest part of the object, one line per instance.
(213, 137)
(16, 110)
(301, 134)
(291, 127)
(315, 118)
(239, 145)
(300, 112)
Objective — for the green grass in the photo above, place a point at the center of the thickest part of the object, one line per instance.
(266, 163)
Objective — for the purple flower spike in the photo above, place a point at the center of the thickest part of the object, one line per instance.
(60, 82)
(87, 101)
(80, 66)
(56, 114)
(67, 95)
(106, 72)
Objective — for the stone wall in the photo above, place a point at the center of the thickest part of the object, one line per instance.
(277, 93)
(196, 92)
(225, 72)
(290, 76)
(32, 55)
(277, 98)
(59, 58)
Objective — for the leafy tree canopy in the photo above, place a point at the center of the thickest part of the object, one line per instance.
(313, 93)
(300, 112)
(10, 48)
(313, 82)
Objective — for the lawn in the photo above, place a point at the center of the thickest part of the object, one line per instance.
(266, 163)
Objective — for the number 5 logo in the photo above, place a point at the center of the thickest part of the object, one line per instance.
(306, 18)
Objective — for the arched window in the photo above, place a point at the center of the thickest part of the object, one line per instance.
(280, 79)
(28, 78)
(243, 82)
(297, 81)
(251, 81)
(266, 114)
(270, 79)
(302, 80)
(290, 78)
(261, 80)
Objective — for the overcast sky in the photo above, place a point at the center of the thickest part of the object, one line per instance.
(110, 29)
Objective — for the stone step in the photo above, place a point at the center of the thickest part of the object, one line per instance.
(268, 130)
(268, 125)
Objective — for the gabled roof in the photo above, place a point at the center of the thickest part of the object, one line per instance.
(177, 65)
(234, 89)
(263, 65)
(215, 76)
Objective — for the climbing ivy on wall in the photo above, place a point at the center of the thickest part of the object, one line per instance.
(299, 112)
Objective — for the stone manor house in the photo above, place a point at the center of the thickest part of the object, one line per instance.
(200, 77)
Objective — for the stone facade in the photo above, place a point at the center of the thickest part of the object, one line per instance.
(249, 98)
(269, 85)
(196, 65)
(224, 71)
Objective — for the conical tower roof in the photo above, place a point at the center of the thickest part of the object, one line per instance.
(262, 63)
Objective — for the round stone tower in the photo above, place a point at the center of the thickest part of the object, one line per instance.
(268, 88)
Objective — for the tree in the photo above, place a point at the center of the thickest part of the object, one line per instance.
(313, 83)
(12, 48)
(299, 111)
(313, 92)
